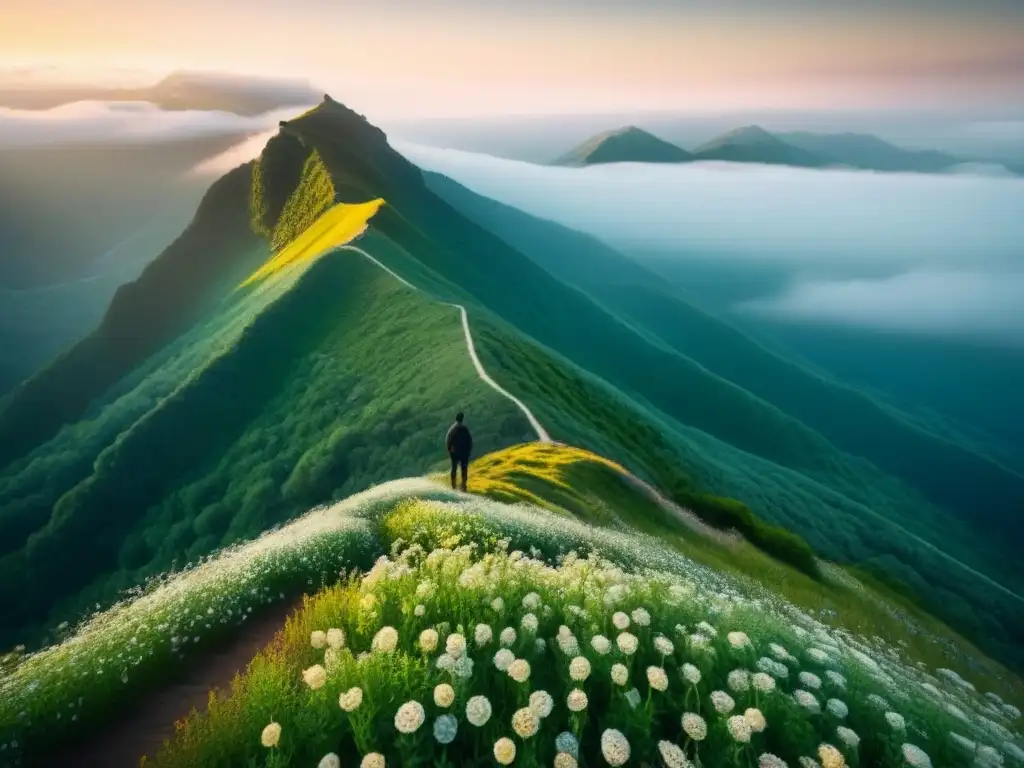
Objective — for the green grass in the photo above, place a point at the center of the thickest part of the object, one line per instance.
(581, 409)
(345, 379)
(124, 653)
(295, 684)
(571, 481)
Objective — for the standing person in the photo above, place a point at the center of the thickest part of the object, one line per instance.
(459, 443)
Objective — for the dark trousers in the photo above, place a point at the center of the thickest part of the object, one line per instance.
(460, 461)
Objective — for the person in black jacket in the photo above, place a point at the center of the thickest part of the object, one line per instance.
(459, 443)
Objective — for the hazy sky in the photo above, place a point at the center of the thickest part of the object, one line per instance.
(478, 57)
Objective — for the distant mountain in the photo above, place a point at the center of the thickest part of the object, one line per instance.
(865, 151)
(753, 144)
(242, 95)
(624, 145)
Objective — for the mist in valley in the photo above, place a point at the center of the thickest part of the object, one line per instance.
(912, 252)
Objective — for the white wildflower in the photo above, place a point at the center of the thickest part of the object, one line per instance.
(504, 751)
(541, 703)
(739, 640)
(351, 699)
(503, 658)
(762, 682)
(579, 669)
(691, 674)
(672, 755)
(566, 742)
(576, 700)
(614, 747)
(445, 729)
(478, 710)
(694, 726)
(895, 721)
(837, 708)
(483, 635)
(409, 717)
(755, 719)
(428, 640)
(848, 736)
(525, 722)
(315, 677)
(916, 757)
(810, 680)
(664, 646)
(627, 643)
(385, 641)
(739, 729)
(444, 695)
(271, 735)
(738, 680)
(722, 702)
(657, 678)
(830, 757)
(806, 700)
(318, 639)
(601, 644)
(529, 624)
(519, 670)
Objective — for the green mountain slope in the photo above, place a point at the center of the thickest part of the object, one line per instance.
(849, 419)
(753, 144)
(337, 379)
(196, 434)
(866, 151)
(624, 145)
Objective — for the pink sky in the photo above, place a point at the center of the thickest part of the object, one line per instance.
(453, 58)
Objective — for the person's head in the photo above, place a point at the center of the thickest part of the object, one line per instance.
(459, 417)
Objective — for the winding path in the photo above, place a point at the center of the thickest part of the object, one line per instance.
(685, 516)
(542, 434)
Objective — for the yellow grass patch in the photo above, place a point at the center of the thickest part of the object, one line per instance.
(337, 226)
(499, 475)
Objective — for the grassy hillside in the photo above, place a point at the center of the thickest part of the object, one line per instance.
(625, 145)
(579, 540)
(344, 379)
(222, 417)
(849, 419)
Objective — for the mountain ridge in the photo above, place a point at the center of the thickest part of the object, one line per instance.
(754, 144)
(634, 389)
(628, 144)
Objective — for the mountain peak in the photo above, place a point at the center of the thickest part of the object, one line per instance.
(744, 136)
(629, 144)
(753, 144)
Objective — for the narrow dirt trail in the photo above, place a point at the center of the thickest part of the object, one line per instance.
(143, 729)
(542, 434)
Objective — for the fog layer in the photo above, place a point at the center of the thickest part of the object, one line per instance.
(911, 252)
(113, 122)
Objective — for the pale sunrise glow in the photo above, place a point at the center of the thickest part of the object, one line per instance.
(455, 58)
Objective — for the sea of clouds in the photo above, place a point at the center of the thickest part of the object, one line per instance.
(112, 122)
(910, 252)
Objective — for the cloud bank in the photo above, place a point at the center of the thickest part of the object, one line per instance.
(909, 252)
(112, 122)
(943, 303)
